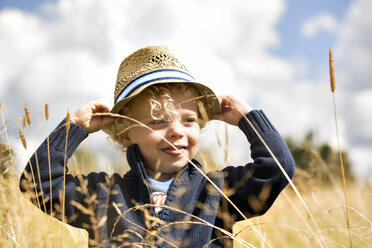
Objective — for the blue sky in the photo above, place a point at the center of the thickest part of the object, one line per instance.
(26, 5)
(273, 53)
(292, 41)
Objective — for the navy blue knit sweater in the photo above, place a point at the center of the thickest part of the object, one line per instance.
(116, 210)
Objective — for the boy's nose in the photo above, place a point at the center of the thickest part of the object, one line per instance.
(175, 129)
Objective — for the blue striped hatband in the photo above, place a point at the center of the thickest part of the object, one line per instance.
(151, 77)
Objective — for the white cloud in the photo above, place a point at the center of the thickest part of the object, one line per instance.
(361, 156)
(353, 52)
(362, 104)
(353, 60)
(76, 46)
(320, 22)
(301, 107)
(70, 53)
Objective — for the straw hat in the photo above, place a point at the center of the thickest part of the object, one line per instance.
(154, 65)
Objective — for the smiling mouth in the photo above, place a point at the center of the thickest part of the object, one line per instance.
(175, 152)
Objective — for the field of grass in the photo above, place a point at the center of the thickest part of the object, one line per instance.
(320, 208)
(317, 221)
(314, 216)
(286, 224)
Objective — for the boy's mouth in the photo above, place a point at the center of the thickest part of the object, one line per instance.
(174, 152)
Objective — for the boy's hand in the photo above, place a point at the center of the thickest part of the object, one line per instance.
(83, 116)
(232, 109)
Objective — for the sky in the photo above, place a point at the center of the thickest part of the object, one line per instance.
(271, 53)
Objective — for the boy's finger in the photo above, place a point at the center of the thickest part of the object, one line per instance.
(101, 106)
(222, 99)
(107, 120)
(105, 101)
(217, 117)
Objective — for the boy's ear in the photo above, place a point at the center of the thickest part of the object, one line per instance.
(125, 140)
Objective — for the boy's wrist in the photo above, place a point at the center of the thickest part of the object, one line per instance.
(76, 135)
(259, 121)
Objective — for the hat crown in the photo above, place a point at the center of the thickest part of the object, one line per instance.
(143, 61)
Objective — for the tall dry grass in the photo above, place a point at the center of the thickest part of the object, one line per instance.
(284, 225)
(287, 223)
(333, 88)
(309, 213)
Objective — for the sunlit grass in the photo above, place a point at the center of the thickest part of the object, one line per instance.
(310, 213)
(286, 223)
(282, 226)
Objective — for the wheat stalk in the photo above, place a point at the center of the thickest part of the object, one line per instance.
(11, 153)
(288, 179)
(164, 226)
(64, 173)
(39, 177)
(22, 137)
(202, 222)
(13, 239)
(333, 87)
(49, 163)
(27, 114)
(7, 138)
(28, 118)
(331, 71)
(298, 212)
(122, 215)
(46, 112)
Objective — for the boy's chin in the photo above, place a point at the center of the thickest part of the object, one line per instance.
(169, 171)
(173, 169)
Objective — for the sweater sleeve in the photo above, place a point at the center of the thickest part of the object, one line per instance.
(49, 191)
(254, 187)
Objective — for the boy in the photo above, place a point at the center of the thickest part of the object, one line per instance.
(165, 200)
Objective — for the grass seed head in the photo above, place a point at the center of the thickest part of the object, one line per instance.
(21, 135)
(331, 71)
(46, 111)
(27, 114)
(68, 120)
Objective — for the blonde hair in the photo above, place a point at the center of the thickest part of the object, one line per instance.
(161, 106)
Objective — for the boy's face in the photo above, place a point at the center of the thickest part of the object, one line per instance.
(183, 133)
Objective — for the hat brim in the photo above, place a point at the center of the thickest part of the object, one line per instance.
(211, 98)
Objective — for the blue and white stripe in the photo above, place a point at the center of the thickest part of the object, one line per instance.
(151, 77)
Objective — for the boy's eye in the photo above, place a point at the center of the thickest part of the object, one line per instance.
(190, 120)
(157, 122)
